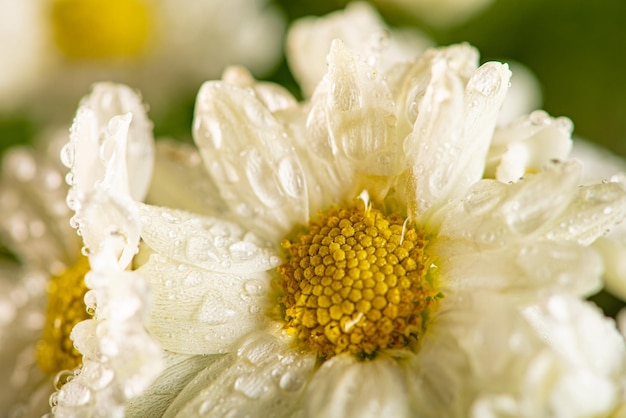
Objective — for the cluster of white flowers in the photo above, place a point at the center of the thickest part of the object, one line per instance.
(390, 246)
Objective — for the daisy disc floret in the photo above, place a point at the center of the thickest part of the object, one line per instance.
(66, 308)
(355, 282)
(88, 29)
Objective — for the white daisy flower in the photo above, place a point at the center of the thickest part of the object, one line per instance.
(348, 259)
(34, 339)
(59, 47)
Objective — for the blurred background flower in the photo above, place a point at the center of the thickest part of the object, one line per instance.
(54, 49)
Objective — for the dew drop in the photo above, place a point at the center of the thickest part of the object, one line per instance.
(67, 155)
(253, 287)
(290, 177)
(170, 217)
(291, 382)
(243, 250)
(61, 378)
(90, 302)
(53, 401)
(200, 249)
(251, 386)
(206, 407)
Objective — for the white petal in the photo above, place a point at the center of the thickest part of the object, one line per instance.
(35, 218)
(561, 266)
(362, 30)
(99, 152)
(22, 303)
(613, 252)
(180, 180)
(475, 345)
(195, 311)
(484, 95)
(266, 377)
(106, 101)
(451, 134)
(356, 93)
(499, 214)
(274, 97)
(591, 349)
(599, 164)
(540, 198)
(344, 387)
(247, 152)
(212, 371)
(110, 222)
(209, 243)
(527, 144)
(595, 210)
(159, 396)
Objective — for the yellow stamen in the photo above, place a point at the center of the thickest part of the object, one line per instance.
(87, 29)
(66, 307)
(357, 281)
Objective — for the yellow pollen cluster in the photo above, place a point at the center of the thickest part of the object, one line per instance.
(88, 29)
(66, 307)
(356, 283)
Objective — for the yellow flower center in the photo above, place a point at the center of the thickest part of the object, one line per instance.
(87, 29)
(66, 308)
(357, 282)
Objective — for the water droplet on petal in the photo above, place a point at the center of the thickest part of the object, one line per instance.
(67, 155)
(486, 80)
(74, 393)
(243, 250)
(254, 287)
(200, 248)
(290, 177)
(291, 382)
(251, 385)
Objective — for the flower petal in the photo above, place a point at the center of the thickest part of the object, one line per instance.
(345, 387)
(527, 144)
(595, 210)
(88, 134)
(591, 352)
(120, 359)
(265, 377)
(180, 181)
(103, 145)
(247, 152)
(209, 243)
(613, 252)
(195, 311)
(355, 93)
(561, 266)
(35, 218)
(496, 214)
(179, 371)
(362, 30)
(451, 135)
